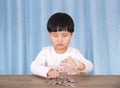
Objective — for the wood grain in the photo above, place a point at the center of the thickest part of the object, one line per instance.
(83, 81)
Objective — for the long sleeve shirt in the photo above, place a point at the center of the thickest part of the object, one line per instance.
(48, 58)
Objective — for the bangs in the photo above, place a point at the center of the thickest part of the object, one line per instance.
(59, 28)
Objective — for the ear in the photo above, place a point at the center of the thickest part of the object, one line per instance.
(72, 33)
(49, 34)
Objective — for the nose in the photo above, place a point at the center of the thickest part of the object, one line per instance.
(60, 39)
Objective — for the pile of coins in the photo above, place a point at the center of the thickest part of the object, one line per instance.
(62, 80)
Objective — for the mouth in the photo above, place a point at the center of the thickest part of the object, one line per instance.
(60, 45)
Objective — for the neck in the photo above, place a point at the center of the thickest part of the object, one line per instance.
(60, 51)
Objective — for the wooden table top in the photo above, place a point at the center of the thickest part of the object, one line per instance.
(83, 81)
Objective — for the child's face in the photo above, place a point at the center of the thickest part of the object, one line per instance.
(60, 40)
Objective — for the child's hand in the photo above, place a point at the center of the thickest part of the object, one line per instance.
(71, 65)
(52, 73)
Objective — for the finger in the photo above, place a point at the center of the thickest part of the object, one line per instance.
(71, 72)
(53, 76)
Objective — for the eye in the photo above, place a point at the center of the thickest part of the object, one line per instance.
(65, 35)
(55, 35)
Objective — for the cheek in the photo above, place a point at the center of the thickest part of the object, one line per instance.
(66, 41)
(54, 41)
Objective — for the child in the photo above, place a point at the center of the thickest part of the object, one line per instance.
(60, 57)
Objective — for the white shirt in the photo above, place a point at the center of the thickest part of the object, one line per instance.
(48, 59)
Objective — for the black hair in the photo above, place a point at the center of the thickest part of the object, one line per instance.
(60, 22)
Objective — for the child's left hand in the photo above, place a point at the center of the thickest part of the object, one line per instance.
(71, 65)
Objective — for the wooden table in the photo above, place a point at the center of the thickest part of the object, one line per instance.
(83, 81)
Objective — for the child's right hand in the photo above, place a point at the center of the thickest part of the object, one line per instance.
(52, 73)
